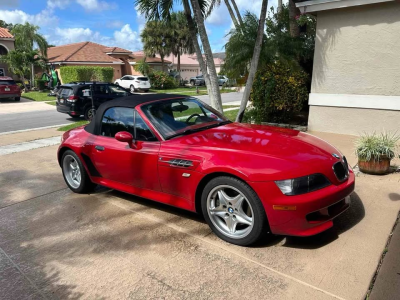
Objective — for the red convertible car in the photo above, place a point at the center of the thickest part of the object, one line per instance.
(247, 180)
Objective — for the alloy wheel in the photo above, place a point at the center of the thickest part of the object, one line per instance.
(230, 211)
(72, 171)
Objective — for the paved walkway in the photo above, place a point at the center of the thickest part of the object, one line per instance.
(57, 244)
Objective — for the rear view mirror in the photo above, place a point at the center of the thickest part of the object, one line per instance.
(125, 137)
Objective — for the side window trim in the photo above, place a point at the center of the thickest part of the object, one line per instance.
(148, 127)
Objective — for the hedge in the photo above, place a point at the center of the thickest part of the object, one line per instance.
(84, 73)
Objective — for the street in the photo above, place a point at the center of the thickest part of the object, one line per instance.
(20, 116)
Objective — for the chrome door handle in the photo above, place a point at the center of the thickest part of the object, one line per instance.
(100, 148)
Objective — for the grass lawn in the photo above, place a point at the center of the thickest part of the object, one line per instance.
(231, 115)
(189, 91)
(38, 96)
(73, 125)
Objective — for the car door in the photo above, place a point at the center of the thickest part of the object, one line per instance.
(123, 81)
(118, 162)
(101, 94)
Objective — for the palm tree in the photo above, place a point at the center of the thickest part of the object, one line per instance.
(162, 9)
(180, 39)
(254, 61)
(215, 3)
(293, 12)
(26, 35)
(155, 38)
(240, 47)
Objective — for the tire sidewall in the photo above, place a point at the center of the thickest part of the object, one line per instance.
(86, 115)
(260, 226)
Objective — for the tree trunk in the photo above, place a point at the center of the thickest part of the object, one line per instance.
(215, 95)
(293, 12)
(238, 12)
(162, 63)
(279, 6)
(179, 66)
(193, 32)
(233, 17)
(254, 61)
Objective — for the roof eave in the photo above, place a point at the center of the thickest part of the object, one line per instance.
(315, 6)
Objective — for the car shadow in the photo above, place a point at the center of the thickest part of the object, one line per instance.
(10, 100)
(343, 223)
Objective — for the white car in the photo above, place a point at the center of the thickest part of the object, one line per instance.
(134, 83)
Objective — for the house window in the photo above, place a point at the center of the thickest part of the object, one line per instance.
(2, 72)
(3, 50)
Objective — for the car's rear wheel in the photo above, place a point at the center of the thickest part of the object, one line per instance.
(75, 174)
(192, 82)
(233, 211)
(17, 98)
(89, 113)
(132, 88)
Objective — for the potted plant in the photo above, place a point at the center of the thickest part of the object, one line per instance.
(376, 151)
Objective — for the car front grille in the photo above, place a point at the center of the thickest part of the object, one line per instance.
(341, 170)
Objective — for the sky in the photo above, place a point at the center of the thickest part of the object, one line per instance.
(107, 22)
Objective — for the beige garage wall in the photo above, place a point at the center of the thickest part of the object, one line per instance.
(358, 51)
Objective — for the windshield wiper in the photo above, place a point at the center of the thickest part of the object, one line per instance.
(189, 131)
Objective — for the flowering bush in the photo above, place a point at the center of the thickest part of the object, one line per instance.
(161, 80)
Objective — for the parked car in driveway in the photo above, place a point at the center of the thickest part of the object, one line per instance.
(75, 99)
(223, 80)
(197, 80)
(245, 179)
(9, 89)
(134, 83)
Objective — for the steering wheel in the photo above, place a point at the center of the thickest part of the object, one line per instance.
(194, 115)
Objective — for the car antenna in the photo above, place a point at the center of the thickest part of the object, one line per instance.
(92, 94)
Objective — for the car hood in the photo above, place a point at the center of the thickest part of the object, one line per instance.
(265, 140)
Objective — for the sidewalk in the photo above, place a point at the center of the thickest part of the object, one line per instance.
(387, 283)
(27, 136)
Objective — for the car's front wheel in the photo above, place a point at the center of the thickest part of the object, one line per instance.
(75, 174)
(233, 211)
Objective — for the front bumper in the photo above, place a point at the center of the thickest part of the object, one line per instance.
(5, 96)
(306, 214)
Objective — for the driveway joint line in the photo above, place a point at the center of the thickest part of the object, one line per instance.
(181, 230)
(33, 198)
(23, 274)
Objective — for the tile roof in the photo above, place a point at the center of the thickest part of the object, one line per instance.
(138, 55)
(83, 52)
(5, 34)
(116, 50)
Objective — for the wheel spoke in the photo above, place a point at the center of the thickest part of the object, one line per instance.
(218, 211)
(242, 218)
(231, 223)
(223, 197)
(237, 201)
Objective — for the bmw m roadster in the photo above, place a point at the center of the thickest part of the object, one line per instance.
(247, 180)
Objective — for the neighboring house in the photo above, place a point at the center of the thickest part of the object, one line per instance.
(92, 54)
(189, 64)
(356, 76)
(6, 45)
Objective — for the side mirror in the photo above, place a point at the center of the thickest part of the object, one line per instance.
(125, 137)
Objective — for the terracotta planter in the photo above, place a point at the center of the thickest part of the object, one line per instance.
(375, 167)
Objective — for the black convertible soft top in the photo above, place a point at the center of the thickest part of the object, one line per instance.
(129, 101)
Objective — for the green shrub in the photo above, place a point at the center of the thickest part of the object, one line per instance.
(85, 73)
(41, 84)
(161, 80)
(278, 92)
(375, 147)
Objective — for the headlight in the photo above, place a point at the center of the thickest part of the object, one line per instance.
(302, 185)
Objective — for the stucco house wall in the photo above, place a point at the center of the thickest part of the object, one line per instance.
(9, 46)
(356, 82)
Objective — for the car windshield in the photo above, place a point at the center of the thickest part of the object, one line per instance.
(7, 82)
(182, 116)
(118, 91)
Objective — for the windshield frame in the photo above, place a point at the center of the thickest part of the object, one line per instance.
(221, 119)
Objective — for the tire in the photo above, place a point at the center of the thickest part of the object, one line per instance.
(81, 184)
(247, 218)
(192, 82)
(116, 83)
(89, 113)
(74, 116)
(132, 88)
(17, 98)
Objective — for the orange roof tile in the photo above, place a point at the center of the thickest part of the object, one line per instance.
(5, 34)
(82, 52)
(139, 56)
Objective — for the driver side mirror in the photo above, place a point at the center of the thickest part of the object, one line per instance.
(126, 137)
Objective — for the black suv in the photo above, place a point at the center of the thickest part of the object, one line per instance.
(75, 98)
